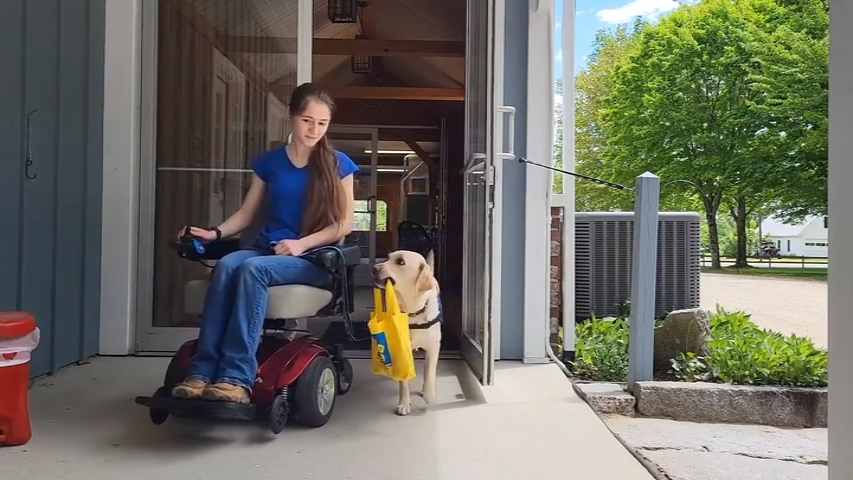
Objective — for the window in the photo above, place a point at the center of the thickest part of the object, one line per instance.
(789, 245)
(361, 217)
(825, 222)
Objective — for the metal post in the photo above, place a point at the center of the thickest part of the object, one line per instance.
(642, 335)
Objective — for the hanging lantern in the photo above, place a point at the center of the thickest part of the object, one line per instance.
(343, 11)
(361, 64)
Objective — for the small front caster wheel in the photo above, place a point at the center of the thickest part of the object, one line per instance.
(279, 411)
(345, 375)
(159, 416)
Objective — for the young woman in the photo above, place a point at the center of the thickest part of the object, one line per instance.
(309, 190)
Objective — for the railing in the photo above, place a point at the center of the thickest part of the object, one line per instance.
(801, 262)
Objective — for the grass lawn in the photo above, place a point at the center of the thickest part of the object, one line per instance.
(811, 273)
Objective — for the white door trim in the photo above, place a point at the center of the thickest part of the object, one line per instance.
(538, 181)
(567, 282)
(122, 64)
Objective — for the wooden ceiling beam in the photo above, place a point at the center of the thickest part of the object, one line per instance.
(349, 47)
(398, 93)
(424, 156)
(395, 112)
(395, 135)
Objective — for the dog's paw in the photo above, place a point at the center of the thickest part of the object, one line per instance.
(428, 395)
(404, 409)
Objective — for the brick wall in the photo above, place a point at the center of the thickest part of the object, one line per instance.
(556, 311)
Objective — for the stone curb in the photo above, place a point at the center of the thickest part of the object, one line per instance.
(606, 397)
(711, 402)
(724, 403)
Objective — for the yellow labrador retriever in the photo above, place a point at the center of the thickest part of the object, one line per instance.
(418, 294)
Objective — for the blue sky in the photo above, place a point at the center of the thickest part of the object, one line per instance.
(594, 15)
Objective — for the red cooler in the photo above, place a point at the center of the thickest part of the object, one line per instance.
(19, 336)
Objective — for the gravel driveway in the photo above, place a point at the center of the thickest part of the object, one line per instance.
(782, 304)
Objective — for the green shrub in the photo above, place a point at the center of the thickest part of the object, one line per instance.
(739, 352)
(601, 349)
(742, 353)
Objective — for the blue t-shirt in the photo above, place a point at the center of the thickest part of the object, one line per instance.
(286, 189)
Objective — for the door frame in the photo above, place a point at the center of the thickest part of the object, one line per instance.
(151, 339)
(486, 354)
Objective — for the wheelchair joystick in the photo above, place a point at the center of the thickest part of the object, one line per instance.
(198, 247)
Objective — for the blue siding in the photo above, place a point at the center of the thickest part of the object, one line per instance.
(53, 57)
(514, 175)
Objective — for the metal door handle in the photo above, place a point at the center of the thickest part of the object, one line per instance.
(474, 156)
(509, 112)
(29, 161)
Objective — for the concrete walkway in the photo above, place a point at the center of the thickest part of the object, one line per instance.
(712, 451)
(531, 425)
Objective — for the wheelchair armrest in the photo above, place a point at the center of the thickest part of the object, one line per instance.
(212, 251)
(330, 258)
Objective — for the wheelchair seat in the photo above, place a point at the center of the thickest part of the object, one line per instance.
(285, 301)
(288, 301)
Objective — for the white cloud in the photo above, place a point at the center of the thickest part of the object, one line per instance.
(559, 56)
(637, 8)
(558, 25)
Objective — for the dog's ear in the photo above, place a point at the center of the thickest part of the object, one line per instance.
(425, 279)
(430, 260)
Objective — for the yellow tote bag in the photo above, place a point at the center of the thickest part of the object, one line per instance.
(390, 344)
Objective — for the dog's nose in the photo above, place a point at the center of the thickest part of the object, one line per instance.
(376, 268)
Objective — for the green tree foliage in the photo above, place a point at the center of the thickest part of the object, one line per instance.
(793, 78)
(729, 94)
(557, 187)
(592, 86)
(682, 104)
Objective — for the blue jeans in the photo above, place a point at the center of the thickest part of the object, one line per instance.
(234, 309)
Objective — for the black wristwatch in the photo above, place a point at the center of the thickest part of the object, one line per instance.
(218, 232)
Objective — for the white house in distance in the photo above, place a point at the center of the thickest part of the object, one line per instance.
(809, 238)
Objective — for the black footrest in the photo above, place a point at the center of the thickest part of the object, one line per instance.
(199, 408)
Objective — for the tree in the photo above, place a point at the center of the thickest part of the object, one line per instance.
(682, 102)
(794, 82)
(592, 86)
(557, 187)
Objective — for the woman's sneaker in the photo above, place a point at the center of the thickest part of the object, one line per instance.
(226, 392)
(189, 389)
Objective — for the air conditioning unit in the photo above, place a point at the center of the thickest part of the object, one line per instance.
(604, 243)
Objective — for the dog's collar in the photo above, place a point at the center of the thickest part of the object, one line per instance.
(415, 314)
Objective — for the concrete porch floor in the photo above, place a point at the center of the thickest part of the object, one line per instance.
(530, 425)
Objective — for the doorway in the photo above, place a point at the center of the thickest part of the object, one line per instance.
(220, 73)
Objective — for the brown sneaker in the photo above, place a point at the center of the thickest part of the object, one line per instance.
(225, 392)
(189, 389)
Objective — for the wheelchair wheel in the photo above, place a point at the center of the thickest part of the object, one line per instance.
(314, 399)
(159, 416)
(279, 411)
(345, 375)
